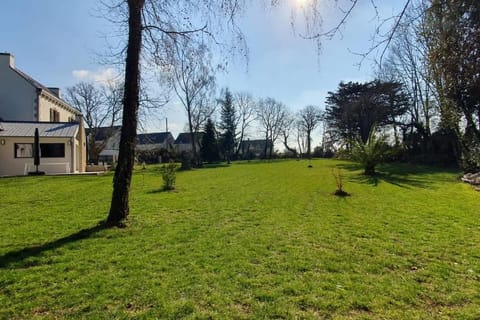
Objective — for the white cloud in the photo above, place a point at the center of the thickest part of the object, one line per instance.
(105, 75)
(101, 76)
(80, 74)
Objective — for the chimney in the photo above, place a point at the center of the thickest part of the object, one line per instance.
(55, 91)
(6, 59)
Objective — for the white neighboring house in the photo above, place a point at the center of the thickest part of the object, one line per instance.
(183, 143)
(24, 100)
(106, 144)
(107, 140)
(59, 147)
(154, 141)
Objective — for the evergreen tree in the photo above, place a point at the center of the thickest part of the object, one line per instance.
(227, 124)
(209, 149)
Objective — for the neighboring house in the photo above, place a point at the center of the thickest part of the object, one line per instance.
(255, 147)
(104, 149)
(107, 142)
(155, 141)
(23, 100)
(184, 142)
(60, 147)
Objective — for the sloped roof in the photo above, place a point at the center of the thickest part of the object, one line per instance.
(259, 143)
(45, 129)
(103, 133)
(38, 85)
(184, 137)
(153, 138)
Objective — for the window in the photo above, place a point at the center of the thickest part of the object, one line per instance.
(47, 150)
(23, 150)
(52, 150)
(54, 115)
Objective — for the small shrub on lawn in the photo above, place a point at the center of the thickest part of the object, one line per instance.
(169, 175)
(337, 174)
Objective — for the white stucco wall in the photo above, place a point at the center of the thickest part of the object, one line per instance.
(46, 102)
(9, 165)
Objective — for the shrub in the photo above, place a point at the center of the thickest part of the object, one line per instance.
(169, 175)
(337, 174)
(371, 153)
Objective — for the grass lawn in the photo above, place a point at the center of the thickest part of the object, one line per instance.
(248, 241)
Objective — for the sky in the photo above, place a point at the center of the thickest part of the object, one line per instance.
(61, 42)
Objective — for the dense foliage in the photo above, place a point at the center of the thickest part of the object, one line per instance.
(355, 108)
(209, 146)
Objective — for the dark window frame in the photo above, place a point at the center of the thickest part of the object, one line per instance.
(15, 148)
(47, 153)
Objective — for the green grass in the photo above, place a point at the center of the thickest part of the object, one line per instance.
(248, 241)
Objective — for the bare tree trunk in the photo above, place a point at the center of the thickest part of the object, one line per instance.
(309, 144)
(266, 146)
(192, 137)
(119, 208)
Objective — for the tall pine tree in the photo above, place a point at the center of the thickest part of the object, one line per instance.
(209, 149)
(227, 124)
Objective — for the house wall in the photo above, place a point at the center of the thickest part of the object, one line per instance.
(46, 101)
(81, 147)
(16, 166)
(18, 98)
(151, 146)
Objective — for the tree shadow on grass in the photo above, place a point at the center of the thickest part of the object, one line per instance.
(401, 175)
(16, 256)
(399, 181)
(162, 190)
(215, 165)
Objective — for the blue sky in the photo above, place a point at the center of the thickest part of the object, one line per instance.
(57, 42)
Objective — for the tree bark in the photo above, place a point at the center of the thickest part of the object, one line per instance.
(309, 143)
(119, 208)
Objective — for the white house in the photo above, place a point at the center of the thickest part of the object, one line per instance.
(25, 102)
(183, 143)
(103, 144)
(155, 141)
(60, 147)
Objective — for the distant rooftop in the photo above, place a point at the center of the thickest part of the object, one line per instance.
(185, 137)
(153, 138)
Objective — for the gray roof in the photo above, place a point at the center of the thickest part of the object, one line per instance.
(103, 133)
(45, 129)
(153, 138)
(185, 137)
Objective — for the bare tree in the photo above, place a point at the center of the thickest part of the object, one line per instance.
(272, 115)
(309, 118)
(245, 106)
(288, 128)
(193, 81)
(113, 95)
(119, 207)
(407, 63)
(90, 101)
(203, 110)
(301, 136)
